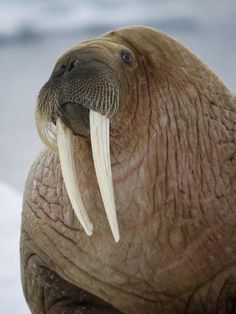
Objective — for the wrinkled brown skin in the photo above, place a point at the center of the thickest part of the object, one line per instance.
(174, 172)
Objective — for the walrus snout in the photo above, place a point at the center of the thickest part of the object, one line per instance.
(85, 79)
(77, 63)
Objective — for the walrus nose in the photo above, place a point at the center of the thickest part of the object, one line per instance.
(67, 65)
(75, 117)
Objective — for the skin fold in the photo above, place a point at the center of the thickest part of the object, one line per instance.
(173, 156)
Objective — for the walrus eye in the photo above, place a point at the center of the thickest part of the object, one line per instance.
(127, 57)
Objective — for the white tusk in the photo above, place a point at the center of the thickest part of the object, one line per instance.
(68, 167)
(99, 132)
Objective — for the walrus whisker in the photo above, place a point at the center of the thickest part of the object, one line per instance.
(47, 110)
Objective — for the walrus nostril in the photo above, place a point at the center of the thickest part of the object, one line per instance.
(59, 71)
(64, 67)
(71, 65)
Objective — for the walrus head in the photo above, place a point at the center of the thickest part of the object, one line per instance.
(99, 87)
(85, 91)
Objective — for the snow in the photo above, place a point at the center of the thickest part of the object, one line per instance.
(11, 294)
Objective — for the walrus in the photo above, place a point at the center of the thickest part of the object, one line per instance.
(131, 208)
